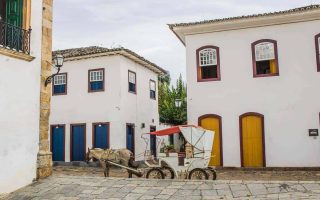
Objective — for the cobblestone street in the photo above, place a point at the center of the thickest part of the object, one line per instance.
(76, 187)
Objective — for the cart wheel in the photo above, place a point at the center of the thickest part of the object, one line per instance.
(198, 174)
(212, 174)
(155, 173)
(168, 172)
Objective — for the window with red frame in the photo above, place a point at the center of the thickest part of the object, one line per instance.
(317, 39)
(208, 63)
(265, 58)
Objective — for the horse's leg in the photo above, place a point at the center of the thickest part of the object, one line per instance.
(107, 169)
(129, 174)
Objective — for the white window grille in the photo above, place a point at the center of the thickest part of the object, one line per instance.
(152, 85)
(132, 77)
(60, 79)
(96, 75)
(265, 51)
(208, 57)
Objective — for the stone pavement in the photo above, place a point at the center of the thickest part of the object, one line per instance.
(78, 188)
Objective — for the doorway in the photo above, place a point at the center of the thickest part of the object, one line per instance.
(78, 142)
(214, 123)
(130, 138)
(252, 140)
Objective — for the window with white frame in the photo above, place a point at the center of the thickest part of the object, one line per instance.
(152, 89)
(208, 63)
(96, 80)
(132, 82)
(60, 84)
(265, 58)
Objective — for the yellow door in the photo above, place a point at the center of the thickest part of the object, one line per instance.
(252, 141)
(213, 124)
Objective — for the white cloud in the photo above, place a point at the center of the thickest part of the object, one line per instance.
(140, 25)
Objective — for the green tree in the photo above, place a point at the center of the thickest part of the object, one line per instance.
(168, 111)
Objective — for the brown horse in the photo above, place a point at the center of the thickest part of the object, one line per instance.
(120, 156)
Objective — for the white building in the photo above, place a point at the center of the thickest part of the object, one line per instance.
(104, 98)
(25, 54)
(255, 81)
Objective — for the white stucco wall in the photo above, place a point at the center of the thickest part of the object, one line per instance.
(289, 102)
(19, 112)
(115, 105)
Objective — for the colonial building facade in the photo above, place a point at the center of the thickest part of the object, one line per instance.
(255, 80)
(25, 62)
(104, 98)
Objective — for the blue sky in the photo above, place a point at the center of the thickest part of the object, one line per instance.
(141, 25)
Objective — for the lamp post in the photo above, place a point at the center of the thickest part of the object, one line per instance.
(178, 103)
(57, 63)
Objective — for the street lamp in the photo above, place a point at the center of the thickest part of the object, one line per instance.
(57, 63)
(178, 103)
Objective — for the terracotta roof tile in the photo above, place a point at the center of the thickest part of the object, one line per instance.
(295, 10)
(95, 50)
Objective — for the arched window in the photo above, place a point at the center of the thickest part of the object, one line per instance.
(265, 58)
(317, 39)
(208, 64)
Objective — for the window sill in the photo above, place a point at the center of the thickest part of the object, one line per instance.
(209, 79)
(132, 92)
(264, 75)
(93, 91)
(153, 98)
(61, 94)
(15, 54)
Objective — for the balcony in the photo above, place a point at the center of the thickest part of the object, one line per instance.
(14, 38)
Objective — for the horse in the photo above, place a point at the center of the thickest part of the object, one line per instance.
(120, 156)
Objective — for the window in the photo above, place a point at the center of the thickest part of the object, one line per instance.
(15, 24)
(152, 89)
(317, 39)
(208, 64)
(132, 82)
(60, 84)
(265, 58)
(96, 80)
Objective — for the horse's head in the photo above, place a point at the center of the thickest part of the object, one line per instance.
(88, 156)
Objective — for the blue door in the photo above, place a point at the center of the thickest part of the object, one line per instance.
(101, 136)
(78, 144)
(153, 142)
(57, 143)
(130, 137)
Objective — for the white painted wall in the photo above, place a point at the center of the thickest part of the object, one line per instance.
(290, 102)
(19, 112)
(115, 105)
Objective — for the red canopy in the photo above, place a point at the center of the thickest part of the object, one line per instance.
(170, 131)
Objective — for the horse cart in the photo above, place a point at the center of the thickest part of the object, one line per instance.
(192, 164)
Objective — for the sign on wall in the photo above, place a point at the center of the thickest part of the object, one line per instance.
(313, 132)
(264, 51)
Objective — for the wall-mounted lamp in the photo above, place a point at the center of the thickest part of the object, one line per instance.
(178, 103)
(143, 125)
(57, 63)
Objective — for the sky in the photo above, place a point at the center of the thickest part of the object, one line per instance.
(141, 25)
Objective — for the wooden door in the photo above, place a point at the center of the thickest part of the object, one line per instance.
(213, 123)
(130, 138)
(57, 143)
(252, 140)
(153, 142)
(78, 142)
(101, 135)
(14, 12)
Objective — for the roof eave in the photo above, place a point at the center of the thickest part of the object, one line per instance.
(121, 52)
(181, 31)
